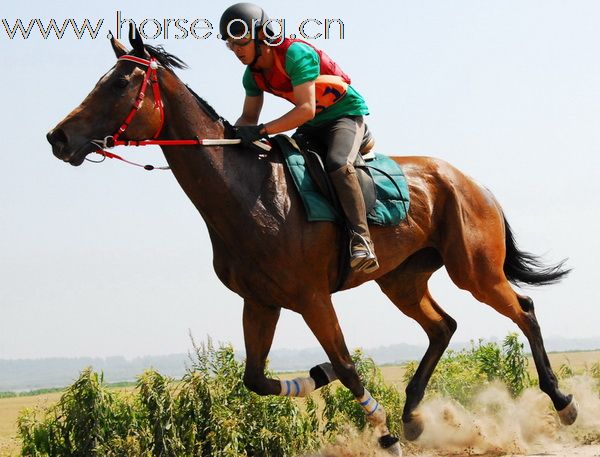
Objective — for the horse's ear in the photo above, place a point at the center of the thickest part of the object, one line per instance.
(136, 41)
(117, 46)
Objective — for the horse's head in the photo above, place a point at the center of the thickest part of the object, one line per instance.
(107, 106)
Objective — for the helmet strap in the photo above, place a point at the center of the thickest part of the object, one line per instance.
(257, 52)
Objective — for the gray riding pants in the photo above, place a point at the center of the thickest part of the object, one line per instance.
(342, 138)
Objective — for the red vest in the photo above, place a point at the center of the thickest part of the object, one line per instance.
(330, 86)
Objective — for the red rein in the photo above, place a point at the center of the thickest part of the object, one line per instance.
(152, 78)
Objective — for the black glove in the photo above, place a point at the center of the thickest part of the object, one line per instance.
(249, 133)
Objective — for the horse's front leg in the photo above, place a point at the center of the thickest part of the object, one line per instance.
(259, 327)
(322, 320)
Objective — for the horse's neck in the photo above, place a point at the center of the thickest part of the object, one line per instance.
(184, 117)
(224, 183)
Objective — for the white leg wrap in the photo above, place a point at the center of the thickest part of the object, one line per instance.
(298, 387)
(374, 411)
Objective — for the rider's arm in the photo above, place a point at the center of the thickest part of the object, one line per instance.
(252, 103)
(251, 111)
(302, 66)
(304, 111)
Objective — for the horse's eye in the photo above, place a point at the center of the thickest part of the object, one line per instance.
(121, 82)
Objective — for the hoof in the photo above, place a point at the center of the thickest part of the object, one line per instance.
(391, 445)
(414, 427)
(569, 413)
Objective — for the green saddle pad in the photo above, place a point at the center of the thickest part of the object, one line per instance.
(392, 200)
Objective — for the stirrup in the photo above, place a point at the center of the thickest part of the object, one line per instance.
(362, 257)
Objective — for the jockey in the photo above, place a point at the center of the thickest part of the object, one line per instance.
(327, 108)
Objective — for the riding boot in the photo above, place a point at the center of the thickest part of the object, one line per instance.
(362, 255)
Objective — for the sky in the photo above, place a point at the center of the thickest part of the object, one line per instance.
(104, 260)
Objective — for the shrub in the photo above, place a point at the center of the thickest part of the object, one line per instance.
(514, 365)
(595, 371)
(85, 421)
(210, 413)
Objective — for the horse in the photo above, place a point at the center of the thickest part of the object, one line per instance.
(265, 250)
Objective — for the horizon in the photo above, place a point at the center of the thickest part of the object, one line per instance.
(26, 376)
(551, 341)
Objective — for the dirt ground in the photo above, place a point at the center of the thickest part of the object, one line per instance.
(567, 451)
(495, 425)
(352, 448)
(557, 450)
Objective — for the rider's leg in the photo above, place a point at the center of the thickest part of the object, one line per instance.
(368, 141)
(344, 137)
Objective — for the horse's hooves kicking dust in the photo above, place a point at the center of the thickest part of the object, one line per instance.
(414, 427)
(391, 445)
(568, 414)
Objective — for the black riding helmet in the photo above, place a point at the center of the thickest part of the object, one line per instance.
(240, 18)
(244, 18)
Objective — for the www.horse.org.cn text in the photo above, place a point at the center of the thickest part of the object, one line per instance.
(163, 29)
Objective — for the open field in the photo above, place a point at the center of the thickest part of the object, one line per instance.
(9, 411)
(577, 361)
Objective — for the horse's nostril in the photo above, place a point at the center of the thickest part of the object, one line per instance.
(56, 137)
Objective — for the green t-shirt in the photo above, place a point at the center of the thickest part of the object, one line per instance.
(302, 65)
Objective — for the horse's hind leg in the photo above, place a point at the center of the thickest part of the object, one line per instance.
(519, 308)
(410, 294)
(475, 263)
(566, 407)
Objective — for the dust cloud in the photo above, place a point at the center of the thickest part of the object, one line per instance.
(494, 425)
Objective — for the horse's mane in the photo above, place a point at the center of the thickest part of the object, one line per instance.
(171, 61)
(205, 106)
(166, 59)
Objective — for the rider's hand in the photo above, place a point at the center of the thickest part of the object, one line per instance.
(250, 133)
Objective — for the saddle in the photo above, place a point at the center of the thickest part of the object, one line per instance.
(314, 156)
(384, 185)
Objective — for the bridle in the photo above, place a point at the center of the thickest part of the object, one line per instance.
(151, 77)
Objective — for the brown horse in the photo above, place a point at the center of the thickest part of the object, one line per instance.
(266, 251)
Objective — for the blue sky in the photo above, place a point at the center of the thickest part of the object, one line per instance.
(110, 260)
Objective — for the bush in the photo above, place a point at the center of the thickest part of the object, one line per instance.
(595, 371)
(210, 413)
(87, 419)
(513, 363)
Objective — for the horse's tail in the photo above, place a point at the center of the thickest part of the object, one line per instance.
(522, 267)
